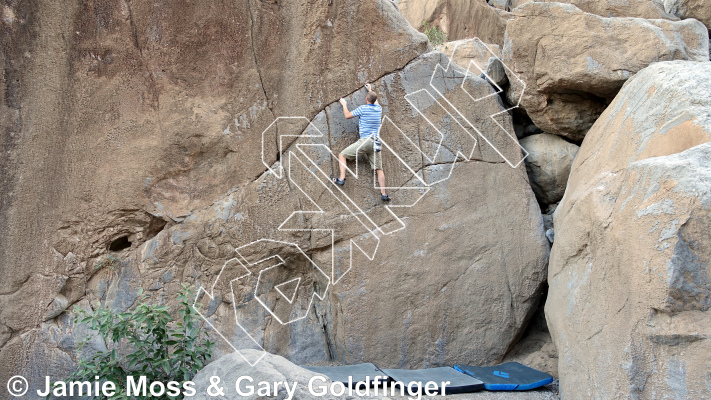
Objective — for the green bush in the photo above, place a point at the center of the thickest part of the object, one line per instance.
(434, 34)
(153, 345)
(109, 260)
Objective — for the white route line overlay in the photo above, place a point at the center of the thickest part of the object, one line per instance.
(293, 295)
(355, 211)
(499, 90)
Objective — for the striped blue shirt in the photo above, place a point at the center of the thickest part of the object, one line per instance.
(369, 122)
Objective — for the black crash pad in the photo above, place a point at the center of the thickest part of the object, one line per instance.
(507, 376)
(458, 382)
(349, 375)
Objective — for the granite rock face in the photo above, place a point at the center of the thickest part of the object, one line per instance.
(629, 273)
(443, 295)
(697, 9)
(120, 119)
(649, 9)
(568, 83)
(161, 144)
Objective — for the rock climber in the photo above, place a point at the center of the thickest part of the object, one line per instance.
(369, 145)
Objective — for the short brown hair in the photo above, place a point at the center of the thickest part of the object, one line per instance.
(371, 97)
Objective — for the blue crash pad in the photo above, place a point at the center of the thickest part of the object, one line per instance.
(507, 376)
(458, 382)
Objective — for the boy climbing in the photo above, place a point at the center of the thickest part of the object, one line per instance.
(370, 115)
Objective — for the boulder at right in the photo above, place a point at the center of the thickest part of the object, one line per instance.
(566, 65)
(628, 303)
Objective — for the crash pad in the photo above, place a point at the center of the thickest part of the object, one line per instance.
(507, 376)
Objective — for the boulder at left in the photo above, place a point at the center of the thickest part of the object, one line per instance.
(160, 134)
(121, 118)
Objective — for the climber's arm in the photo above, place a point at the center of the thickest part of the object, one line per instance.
(369, 87)
(346, 113)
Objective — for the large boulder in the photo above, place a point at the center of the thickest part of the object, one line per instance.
(698, 9)
(568, 83)
(628, 304)
(436, 291)
(650, 9)
(459, 19)
(459, 294)
(548, 164)
(214, 183)
(119, 119)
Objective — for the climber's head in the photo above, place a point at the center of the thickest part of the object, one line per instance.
(371, 97)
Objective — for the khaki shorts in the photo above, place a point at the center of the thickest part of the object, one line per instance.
(364, 147)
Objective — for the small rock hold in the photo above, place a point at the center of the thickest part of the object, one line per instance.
(548, 165)
(550, 234)
(547, 221)
(496, 72)
(212, 305)
(59, 304)
(167, 277)
(551, 208)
